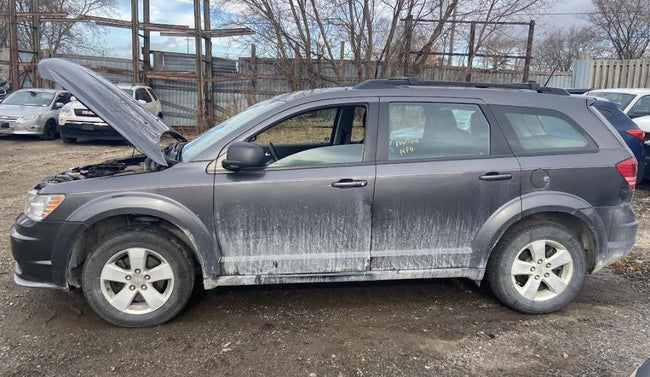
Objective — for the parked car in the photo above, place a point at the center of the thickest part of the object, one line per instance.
(631, 133)
(634, 102)
(527, 190)
(78, 122)
(32, 112)
(5, 89)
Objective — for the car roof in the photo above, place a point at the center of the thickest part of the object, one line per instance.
(634, 91)
(131, 86)
(42, 90)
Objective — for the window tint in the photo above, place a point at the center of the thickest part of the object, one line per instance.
(542, 130)
(330, 135)
(141, 94)
(640, 108)
(430, 130)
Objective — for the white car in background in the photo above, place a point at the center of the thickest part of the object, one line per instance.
(635, 103)
(77, 122)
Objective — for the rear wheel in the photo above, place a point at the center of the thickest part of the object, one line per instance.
(537, 269)
(49, 130)
(138, 278)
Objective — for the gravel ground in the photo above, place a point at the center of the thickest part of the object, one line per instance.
(406, 328)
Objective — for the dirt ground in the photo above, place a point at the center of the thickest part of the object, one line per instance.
(408, 328)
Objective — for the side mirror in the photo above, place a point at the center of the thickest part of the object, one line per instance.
(58, 105)
(142, 102)
(244, 156)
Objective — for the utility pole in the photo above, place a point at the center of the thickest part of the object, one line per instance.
(146, 43)
(36, 43)
(452, 35)
(13, 46)
(200, 90)
(529, 50)
(135, 41)
(408, 33)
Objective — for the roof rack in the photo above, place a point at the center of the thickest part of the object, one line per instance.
(413, 81)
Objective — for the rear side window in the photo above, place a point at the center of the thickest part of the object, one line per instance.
(437, 130)
(533, 130)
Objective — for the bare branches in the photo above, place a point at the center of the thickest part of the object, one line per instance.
(626, 24)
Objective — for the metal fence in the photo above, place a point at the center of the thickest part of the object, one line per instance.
(238, 83)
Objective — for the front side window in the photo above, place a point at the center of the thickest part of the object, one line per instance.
(141, 94)
(153, 94)
(532, 130)
(640, 108)
(437, 130)
(330, 135)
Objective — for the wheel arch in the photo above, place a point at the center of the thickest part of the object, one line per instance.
(565, 209)
(105, 215)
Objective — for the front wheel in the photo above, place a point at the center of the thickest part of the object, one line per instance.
(49, 130)
(138, 278)
(537, 269)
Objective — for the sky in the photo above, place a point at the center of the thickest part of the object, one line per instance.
(117, 42)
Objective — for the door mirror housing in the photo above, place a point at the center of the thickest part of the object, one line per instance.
(58, 105)
(244, 156)
(142, 102)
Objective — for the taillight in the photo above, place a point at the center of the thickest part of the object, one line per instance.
(637, 133)
(627, 169)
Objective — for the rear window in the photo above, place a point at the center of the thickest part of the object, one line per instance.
(620, 99)
(532, 130)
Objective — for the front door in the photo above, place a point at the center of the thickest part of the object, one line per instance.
(309, 211)
(445, 171)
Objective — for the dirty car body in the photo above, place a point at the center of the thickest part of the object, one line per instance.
(348, 197)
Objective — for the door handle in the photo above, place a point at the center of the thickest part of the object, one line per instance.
(495, 176)
(349, 183)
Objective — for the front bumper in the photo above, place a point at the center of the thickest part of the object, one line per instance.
(12, 127)
(89, 130)
(41, 250)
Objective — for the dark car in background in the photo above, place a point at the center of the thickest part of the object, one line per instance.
(505, 183)
(633, 136)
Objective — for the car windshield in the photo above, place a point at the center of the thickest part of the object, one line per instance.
(208, 138)
(29, 98)
(128, 91)
(620, 99)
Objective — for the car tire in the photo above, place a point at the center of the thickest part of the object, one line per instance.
(49, 130)
(537, 269)
(138, 278)
(160, 115)
(69, 140)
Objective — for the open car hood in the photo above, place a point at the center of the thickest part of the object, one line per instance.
(119, 110)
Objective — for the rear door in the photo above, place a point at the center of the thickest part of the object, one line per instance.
(443, 169)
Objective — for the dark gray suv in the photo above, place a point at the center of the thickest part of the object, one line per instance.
(388, 179)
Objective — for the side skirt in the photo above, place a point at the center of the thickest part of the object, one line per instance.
(470, 273)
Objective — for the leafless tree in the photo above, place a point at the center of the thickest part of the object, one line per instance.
(68, 37)
(626, 24)
(558, 50)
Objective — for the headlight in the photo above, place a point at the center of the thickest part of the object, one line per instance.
(28, 118)
(67, 111)
(37, 207)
